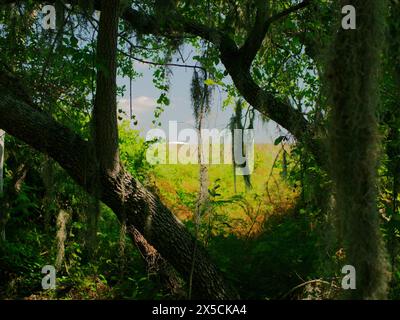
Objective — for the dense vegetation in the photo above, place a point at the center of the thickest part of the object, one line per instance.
(77, 192)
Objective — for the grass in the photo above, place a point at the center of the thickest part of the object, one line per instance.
(178, 186)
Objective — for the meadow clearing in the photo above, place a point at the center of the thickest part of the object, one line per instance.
(243, 212)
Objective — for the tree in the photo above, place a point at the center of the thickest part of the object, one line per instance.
(238, 41)
(353, 84)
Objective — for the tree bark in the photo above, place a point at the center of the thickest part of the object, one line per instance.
(167, 275)
(353, 88)
(2, 214)
(2, 140)
(105, 124)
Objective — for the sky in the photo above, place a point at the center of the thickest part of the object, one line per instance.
(145, 95)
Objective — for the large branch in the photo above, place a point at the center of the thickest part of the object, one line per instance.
(237, 62)
(175, 23)
(261, 25)
(278, 110)
(123, 194)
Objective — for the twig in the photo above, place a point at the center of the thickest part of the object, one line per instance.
(306, 283)
(160, 63)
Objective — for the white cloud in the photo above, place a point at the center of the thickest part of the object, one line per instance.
(144, 102)
(139, 104)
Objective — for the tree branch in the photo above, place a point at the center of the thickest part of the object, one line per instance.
(256, 37)
(237, 61)
(153, 63)
(278, 110)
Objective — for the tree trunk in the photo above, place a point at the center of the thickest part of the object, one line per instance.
(353, 87)
(169, 279)
(2, 213)
(105, 127)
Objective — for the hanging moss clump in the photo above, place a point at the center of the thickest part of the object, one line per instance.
(62, 221)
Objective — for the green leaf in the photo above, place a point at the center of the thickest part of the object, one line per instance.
(278, 140)
(210, 82)
(74, 41)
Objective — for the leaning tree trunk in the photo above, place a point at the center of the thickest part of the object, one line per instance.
(352, 81)
(95, 166)
(144, 211)
(166, 274)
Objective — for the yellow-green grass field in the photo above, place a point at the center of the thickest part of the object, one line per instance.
(243, 212)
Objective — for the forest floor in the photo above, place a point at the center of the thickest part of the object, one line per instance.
(255, 236)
